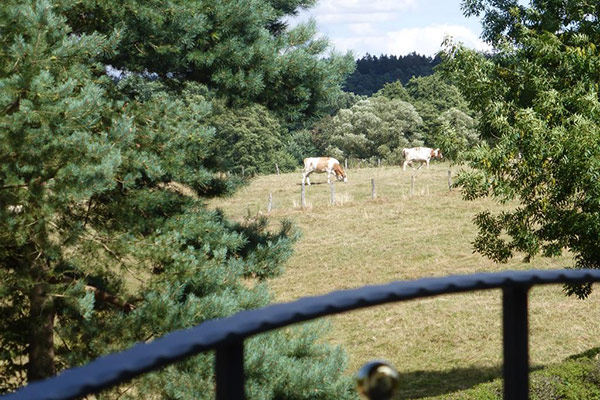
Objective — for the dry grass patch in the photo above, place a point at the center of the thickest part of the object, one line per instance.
(439, 344)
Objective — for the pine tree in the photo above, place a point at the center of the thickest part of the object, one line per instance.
(105, 239)
(225, 45)
(56, 152)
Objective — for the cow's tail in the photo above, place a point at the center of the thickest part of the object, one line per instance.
(404, 152)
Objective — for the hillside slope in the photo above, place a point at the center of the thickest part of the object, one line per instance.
(440, 345)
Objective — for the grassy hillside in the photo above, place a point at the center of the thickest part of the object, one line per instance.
(439, 345)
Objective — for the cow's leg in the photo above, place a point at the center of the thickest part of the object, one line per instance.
(305, 177)
(404, 165)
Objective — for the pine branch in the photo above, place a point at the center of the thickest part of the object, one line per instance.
(99, 294)
(13, 187)
(105, 297)
(115, 255)
(12, 107)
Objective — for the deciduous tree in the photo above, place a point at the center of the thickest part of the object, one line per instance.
(376, 127)
(538, 99)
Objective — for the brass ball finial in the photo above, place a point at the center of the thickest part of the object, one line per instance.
(378, 380)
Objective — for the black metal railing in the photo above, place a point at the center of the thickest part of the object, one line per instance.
(227, 335)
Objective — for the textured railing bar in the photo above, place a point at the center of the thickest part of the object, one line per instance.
(229, 370)
(515, 342)
(144, 357)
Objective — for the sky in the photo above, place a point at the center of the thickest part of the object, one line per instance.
(393, 27)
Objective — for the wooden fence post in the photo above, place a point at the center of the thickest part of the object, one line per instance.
(346, 163)
(303, 197)
(277, 168)
(332, 187)
(270, 204)
(449, 180)
(373, 193)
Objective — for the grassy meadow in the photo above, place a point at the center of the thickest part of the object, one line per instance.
(439, 345)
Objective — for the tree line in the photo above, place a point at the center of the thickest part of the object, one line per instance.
(427, 111)
(373, 72)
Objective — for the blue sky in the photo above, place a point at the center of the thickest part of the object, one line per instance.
(395, 27)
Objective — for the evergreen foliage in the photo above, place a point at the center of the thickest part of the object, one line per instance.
(538, 100)
(372, 72)
(225, 45)
(104, 236)
(251, 139)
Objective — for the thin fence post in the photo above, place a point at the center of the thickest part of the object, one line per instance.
(373, 193)
(412, 185)
(277, 168)
(449, 180)
(379, 163)
(270, 204)
(515, 342)
(229, 371)
(332, 187)
(303, 196)
(346, 163)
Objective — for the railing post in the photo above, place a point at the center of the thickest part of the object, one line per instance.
(229, 371)
(515, 339)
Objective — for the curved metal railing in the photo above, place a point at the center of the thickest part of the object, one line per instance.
(227, 335)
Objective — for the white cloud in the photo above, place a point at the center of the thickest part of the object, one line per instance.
(429, 39)
(426, 40)
(363, 29)
(394, 27)
(353, 18)
(362, 6)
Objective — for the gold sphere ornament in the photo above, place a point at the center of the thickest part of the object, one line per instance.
(378, 380)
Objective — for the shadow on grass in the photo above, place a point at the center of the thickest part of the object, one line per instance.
(419, 384)
(315, 183)
(426, 384)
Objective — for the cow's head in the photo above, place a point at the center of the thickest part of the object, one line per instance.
(340, 174)
(436, 154)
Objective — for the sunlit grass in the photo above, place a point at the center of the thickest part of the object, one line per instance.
(439, 344)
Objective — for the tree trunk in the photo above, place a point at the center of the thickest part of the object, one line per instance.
(41, 339)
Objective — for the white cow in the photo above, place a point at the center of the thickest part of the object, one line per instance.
(323, 164)
(421, 154)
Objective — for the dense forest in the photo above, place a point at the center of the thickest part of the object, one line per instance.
(373, 72)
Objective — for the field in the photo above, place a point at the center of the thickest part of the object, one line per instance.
(439, 345)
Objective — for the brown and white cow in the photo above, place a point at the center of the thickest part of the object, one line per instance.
(421, 154)
(323, 164)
